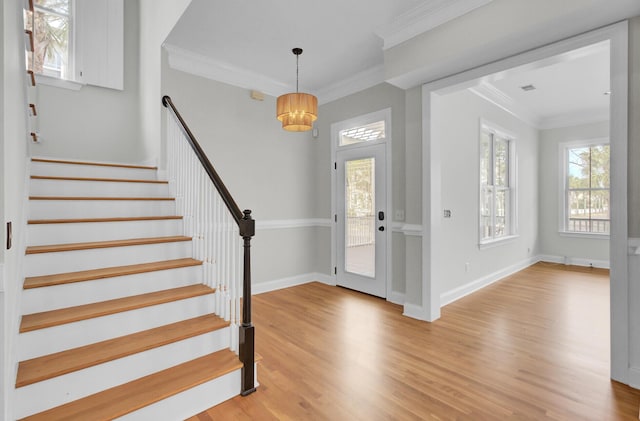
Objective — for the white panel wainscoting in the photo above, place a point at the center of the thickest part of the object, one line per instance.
(473, 286)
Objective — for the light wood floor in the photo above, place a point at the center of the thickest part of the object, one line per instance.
(534, 346)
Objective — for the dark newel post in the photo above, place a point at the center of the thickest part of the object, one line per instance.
(247, 333)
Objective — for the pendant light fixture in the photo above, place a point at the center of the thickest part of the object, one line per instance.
(297, 111)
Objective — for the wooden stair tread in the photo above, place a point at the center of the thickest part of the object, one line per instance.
(90, 275)
(97, 164)
(51, 318)
(104, 244)
(116, 219)
(97, 198)
(114, 180)
(126, 398)
(53, 365)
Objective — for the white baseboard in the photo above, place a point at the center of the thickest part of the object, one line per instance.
(575, 261)
(324, 278)
(262, 287)
(414, 311)
(634, 377)
(473, 286)
(396, 297)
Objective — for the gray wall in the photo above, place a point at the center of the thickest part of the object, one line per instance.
(456, 127)
(551, 178)
(95, 123)
(373, 99)
(634, 193)
(267, 169)
(495, 31)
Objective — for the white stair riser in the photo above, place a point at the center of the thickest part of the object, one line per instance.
(40, 187)
(75, 170)
(77, 260)
(36, 300)
(69, 209)
(66, 388)
(59, 338)
(81, 232)
(192, 401)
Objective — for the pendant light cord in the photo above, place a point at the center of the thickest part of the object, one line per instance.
(297, 71)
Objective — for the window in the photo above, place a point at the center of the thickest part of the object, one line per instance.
(366, 133)
(81, 41)
(587, 188)
(51, 24)
(497, 185)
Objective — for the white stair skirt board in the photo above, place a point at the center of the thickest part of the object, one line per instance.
(46, 187)
(59, 338)
(59, 390)
(77, 260)
(68, 209)
(36, 300)
(471, 287)
(190, 402)
(75, 170)
(82, 232)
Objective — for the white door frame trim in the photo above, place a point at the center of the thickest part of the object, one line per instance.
(384, 114)
(617, 35)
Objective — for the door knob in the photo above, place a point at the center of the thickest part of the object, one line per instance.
(381, 229)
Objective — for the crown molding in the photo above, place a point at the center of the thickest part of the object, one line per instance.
(200, 65)
(498, 98)
(575, 118)
(426, 16)
(356, 83)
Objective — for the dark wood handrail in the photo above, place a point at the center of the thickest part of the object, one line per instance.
(204, 160)
(247, 228)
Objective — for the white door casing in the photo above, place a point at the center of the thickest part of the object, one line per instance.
(383, 254)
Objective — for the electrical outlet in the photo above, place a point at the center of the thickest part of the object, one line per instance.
(447, 213)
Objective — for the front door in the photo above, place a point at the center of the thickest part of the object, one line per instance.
(362, 219)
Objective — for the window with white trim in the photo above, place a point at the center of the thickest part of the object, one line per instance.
(80, 41)
(52, 26)
(587, 188)
(497, 185)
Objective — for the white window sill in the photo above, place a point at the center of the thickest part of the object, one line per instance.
(590, 235)
(497, 242)
(58, 83)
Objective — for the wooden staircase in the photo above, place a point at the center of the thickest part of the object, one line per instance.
(117, 322)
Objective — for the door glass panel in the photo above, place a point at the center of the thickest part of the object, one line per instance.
(360, 234)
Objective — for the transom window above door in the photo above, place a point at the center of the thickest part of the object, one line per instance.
(366, 133)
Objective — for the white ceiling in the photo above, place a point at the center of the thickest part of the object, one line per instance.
(570, 88)
(248, 44)
(245, 42)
